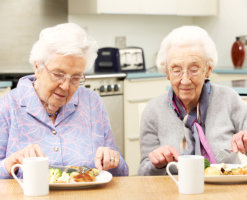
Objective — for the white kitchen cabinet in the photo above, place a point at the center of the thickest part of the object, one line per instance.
(158, 7)
(146, 7)
(104, 6)
(137, 92)
(197, 7)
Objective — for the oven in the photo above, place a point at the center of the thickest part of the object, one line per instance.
(110, 88)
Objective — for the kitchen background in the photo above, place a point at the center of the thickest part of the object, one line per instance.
(22, 20)
(143, 23)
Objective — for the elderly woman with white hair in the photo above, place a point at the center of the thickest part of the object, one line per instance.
(48, 114)
(195, 117)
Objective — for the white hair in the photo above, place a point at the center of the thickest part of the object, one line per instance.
(187, 35)
(65, 39)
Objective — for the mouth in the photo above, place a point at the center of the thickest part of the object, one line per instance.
(60, 96)
(185, 89)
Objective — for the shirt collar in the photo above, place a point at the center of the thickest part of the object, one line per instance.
(29, 99)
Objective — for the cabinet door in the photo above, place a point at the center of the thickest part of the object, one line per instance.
(159, 7)
(137, 93)
(152, 7)
(119, 6)
(132, 130)
(197, 7)
(104, 6)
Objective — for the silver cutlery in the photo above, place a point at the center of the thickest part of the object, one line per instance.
(70, 169)
(228, 155)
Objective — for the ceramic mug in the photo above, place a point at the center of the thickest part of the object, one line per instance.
(190, 174)
(35, 176)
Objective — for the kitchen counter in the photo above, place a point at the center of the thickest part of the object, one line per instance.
(230, 71)
(105, 75)
(12, 77)
(142, 75)
(240, 86)
(228, 74)
(5, 84)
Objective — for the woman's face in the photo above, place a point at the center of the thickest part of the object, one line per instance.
(187, 70)
(52, 92)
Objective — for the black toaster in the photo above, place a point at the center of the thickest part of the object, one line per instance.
(108, 60)
(113, 60)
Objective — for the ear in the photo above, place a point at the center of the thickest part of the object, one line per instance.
(167, 73)
(36, 70)
(208, 72)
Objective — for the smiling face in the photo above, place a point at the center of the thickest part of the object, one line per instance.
(55, 94)
(187, 70)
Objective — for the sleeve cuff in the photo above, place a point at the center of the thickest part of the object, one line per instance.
(148, 169)
(3, 172)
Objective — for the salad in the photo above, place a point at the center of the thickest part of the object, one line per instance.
(72, 175)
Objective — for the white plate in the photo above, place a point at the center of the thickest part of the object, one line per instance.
(226, 178)
(103, 178)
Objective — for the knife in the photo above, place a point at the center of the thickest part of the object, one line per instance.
(243, 158)
(69, 169)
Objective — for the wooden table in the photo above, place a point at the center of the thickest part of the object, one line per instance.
(128, 188)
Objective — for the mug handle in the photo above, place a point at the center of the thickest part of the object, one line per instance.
(169, 173)
(13, 174)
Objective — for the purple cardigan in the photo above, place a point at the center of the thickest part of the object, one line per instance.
(82, 126)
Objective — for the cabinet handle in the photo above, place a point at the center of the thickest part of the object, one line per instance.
(139, 100)
(163, 77)
(133, 138)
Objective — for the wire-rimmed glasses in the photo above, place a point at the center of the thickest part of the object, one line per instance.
(61, 77)
(193, 71)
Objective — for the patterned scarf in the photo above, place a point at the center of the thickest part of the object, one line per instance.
(195, 121)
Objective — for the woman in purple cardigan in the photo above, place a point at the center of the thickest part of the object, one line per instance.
(48, 114)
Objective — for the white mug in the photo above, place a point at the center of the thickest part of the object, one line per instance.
(35, 176)
(190, 174)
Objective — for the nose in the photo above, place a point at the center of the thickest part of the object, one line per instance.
(65, 84)
(185, 79)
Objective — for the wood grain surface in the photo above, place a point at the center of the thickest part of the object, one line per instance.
(128, 188)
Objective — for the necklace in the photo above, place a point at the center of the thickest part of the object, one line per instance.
(53, 115)
(49, 114)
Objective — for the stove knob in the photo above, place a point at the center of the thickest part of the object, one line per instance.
(102, 88)
(109, 88)
(116, 87)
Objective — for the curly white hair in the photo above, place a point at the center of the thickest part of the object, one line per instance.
(65, 39)
(187, 35)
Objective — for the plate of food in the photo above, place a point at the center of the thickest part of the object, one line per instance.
(71, 177)
(225, 173)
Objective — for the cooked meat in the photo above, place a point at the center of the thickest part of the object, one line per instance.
(84, 177)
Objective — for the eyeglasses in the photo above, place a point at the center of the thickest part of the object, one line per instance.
(60, 77)
(191, 72)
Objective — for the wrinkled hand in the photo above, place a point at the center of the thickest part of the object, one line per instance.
(239, 142)
(161, 156)
(32, 150)
(106, 158)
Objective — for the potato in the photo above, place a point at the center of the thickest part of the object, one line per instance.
(212, 171)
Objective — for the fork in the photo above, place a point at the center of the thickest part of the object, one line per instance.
(222, 155)
(84, 169)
